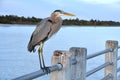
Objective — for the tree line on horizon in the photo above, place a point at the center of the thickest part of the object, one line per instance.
(14, 19)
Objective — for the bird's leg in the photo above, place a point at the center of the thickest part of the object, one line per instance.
(42, 57)
(43, 63)
(39, 54)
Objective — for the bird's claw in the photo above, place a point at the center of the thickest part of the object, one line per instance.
(46, 69)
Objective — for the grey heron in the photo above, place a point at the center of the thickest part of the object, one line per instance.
(44, 30)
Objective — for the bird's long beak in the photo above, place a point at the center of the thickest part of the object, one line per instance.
(68, 14)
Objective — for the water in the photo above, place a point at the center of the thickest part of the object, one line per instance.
(15, 60)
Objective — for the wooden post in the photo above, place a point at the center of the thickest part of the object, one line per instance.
(78, 71)
(62, 57)
(111, 57)
(74, 64)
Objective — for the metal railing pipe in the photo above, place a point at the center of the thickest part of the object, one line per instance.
(109, 76)
(99, 53)
(118, 69)
(39, 73)
(118, 58)
(98, 68)
(118, 46)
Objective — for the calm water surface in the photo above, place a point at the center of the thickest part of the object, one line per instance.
(15, 60)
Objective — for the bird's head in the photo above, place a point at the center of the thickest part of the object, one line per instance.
(59, 13)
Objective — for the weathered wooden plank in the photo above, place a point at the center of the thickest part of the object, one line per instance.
(111, 57)
(62, 57)
(74, 64)
(78, 71)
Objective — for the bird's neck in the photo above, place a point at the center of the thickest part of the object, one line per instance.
(54, 18)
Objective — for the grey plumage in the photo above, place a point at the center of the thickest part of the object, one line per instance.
(44, 30)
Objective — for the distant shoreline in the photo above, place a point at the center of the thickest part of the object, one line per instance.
(31, 25)
(13, 19)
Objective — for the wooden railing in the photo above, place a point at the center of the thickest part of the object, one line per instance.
(71, 65)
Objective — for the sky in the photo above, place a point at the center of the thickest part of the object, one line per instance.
(83, 9)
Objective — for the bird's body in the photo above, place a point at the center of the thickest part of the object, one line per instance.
(44, 30)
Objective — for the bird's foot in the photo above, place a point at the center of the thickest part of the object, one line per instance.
(46, 69)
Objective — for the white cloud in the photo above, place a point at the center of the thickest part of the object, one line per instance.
(101, 1)
(106, 3)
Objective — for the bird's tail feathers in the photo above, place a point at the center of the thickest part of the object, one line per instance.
(31, 48)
